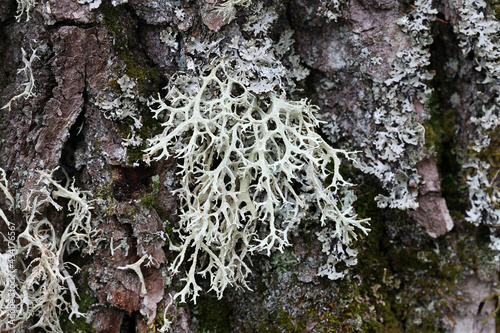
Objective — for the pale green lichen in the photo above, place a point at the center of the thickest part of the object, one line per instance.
(479, 34)
(330, 9)
(227, 9)
(136, 267)
(24, 6)
(122, 107)
(398, 143)
(42, 289)
(29, 85)
(252, 167)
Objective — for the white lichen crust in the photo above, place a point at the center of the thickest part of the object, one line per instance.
(227, 8)
(252, 167)
(125, 105)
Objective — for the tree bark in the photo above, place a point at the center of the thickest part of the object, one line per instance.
(423, 266)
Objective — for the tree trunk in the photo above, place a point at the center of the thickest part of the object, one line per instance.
(407, 97)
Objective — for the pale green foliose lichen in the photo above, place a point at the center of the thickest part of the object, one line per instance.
(124, 105)
(399, 140)
(330, 9)
(479, 34)
(227, 8)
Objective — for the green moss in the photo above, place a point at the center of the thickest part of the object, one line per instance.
(105, 191)
(440, 139)
(212, 314)
(284, 323)
(401, 270)
(79, 324)
(148, 201)
(127, 46)
(135, 154)
(492, 152)
(113, 84)
(377, 289)
(389, 323)
(495, 7)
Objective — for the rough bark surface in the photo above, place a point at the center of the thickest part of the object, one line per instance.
(422, 270)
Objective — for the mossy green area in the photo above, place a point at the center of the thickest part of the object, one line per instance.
(212, 315)
(148, 201)
(495, 8)
(283, 322)
(138, 67)
(127, 46)
(85, 301)
(408, 281)
(105, 190)
(441, 141)
(491, 154)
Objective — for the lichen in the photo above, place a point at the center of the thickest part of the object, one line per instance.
(479, 34)
(395, 136)
(24, 6)
(45, 284)
(258, 166)
(85, 301)
(29, 85)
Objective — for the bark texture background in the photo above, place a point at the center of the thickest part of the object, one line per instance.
(422, 270)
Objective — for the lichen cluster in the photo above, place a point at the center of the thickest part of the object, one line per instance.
(398, 143)
(252, 167)
(24, 6)
(479, 34)
(29, 85)
(42, 283)
(122, 106)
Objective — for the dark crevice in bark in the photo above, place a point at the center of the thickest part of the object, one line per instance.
(131, 183)
(10, 60)
(44, 85)
(128, 324)
(441, 129)
(70, 23)
(75, 136)
(3, 54)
